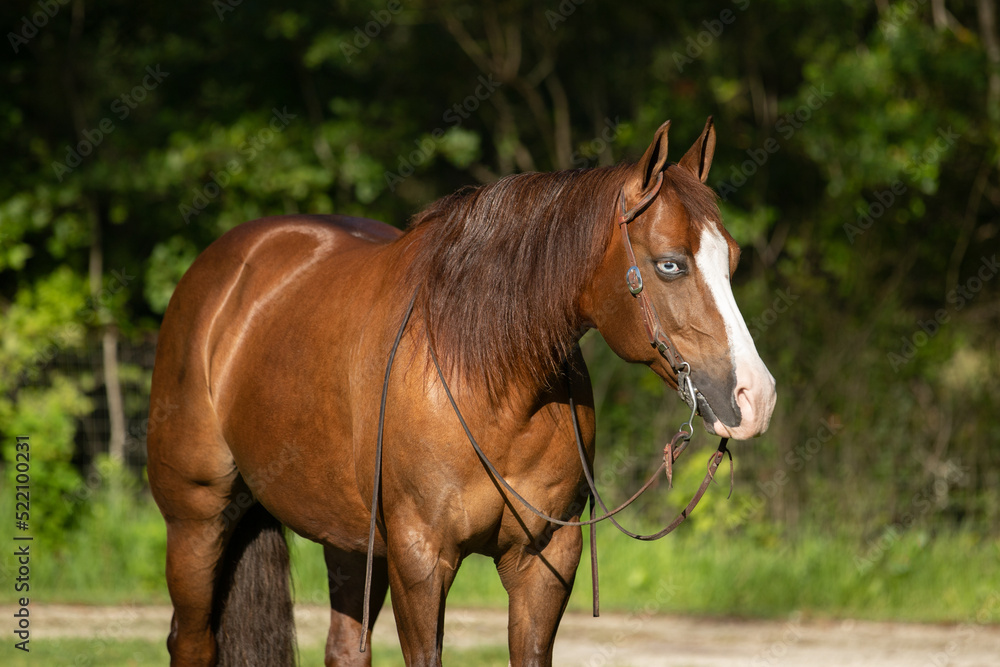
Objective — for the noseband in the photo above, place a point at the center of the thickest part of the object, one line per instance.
(650, 320)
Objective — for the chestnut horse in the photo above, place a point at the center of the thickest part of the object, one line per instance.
(274, 348)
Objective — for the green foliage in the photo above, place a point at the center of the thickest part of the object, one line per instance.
(169, 261)
(48, 416)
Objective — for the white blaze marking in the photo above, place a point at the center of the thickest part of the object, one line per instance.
(713, 262)
(712, 259)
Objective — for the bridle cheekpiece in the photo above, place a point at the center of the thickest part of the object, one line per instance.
(650, 320)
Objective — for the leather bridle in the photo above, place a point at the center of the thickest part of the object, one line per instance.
(673, 449)
(650, 320)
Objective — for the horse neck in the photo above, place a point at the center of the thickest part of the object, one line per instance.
(502, 269)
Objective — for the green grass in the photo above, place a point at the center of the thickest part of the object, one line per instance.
(137, 653)
(386, 656)
(116, 555)
(951, 578)
(87, 652)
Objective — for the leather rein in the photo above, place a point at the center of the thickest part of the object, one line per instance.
(671, 452)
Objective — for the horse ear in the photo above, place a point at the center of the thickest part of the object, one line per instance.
(698, 159)
(653, 161)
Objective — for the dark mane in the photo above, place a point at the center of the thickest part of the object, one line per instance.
(503, 266)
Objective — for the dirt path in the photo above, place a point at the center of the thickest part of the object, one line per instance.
(615, 639)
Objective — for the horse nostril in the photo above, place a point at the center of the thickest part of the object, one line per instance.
(755, 400)
(745, 405)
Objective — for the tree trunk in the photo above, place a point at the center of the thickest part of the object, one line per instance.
(109, 344)
(991, 45)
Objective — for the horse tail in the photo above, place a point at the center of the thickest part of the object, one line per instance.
(252, 611)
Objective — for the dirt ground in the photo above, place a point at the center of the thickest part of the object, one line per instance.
(615, 639)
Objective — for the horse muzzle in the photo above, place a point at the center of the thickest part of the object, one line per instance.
(736, 409)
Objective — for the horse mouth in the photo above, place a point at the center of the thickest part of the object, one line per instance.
(707, 414)
(725, 416)
(716, 425)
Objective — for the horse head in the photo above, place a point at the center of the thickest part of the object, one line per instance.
(681, 311)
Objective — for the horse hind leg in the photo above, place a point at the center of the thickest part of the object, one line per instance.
(194, 548)
(346, 575)
(195, 511)
(227, 564)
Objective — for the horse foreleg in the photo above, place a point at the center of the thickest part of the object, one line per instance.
(421, 570)
(346, 574)
(538, 579)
